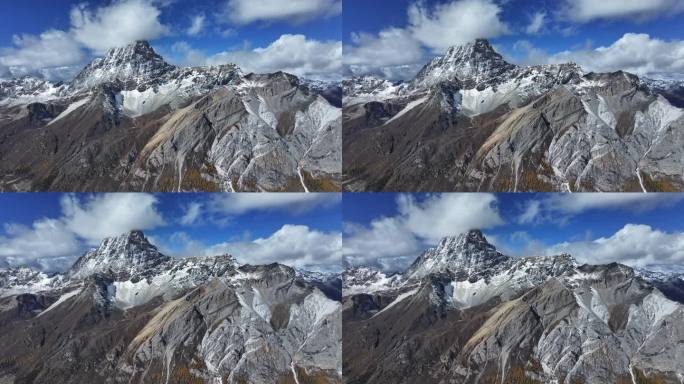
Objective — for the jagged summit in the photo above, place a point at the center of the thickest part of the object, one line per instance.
(480, 48)
(132, 65)
(140, 49)
(468, 253)
(123, 256)
(471, 63)
(473, 239)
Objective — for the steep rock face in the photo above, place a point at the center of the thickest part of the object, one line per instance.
(466, 254)
(132, 122)
(474, 63)
(534, 319)
(263, 327)
(127, 313)
(123, 256)
(471, 121)
(132, 65)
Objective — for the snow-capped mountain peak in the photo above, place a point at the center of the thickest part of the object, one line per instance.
(466, 254)
(471, 63)
(124, 256)
(132, 65)
(479, 49)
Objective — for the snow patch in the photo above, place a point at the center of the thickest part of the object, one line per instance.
(25, 280)
(369, 281)
(71, 108)
(399, 299)
(466, 294)
(408, 107)
(61, 299)
(301, 179)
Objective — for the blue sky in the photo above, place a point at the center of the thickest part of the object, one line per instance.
(646, 231)
(249, 33)
(564, 30)
(50, 230)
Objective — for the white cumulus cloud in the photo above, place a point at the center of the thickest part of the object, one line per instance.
(99, 216)
(294, 245)
(391, 46)
(636, 245)
(241, 203)
(295, 11)
(117, 24)
(537, 22)
(192, 214)
(386, 243)
(637, 53)
(561, 207)
(52, 48)
(398, 52)
(60, 55)
(448, 214)
(53, 244)
(640, 10)
(294, 54)
(455, 22)
(390, 53)
(46, 244)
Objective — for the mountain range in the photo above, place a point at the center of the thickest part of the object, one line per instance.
(126, 313)
(463, 312)
(471, 121)
(132, 122)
